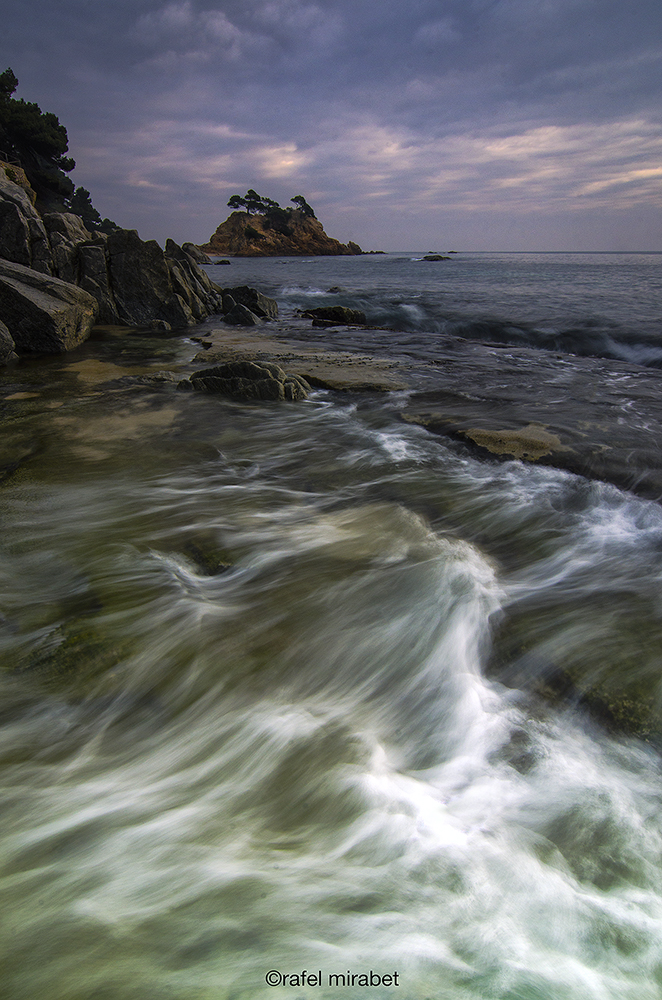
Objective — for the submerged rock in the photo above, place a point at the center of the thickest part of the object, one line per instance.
(338, 315)
(249, 380)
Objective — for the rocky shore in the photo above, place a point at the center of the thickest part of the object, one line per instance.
(57, 279)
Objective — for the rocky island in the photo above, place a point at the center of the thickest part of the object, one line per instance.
(264, 229)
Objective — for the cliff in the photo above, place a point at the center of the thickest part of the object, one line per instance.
(57, 278)
(283, 233)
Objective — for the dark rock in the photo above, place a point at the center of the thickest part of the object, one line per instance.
(435, 256)
(354, 247)
(7, 345)
(250, 380)
(191, 282)
(259, 304)
(94, 278)
(43, 314)
(220, 261)
(23, 237)
(228, 303)
(197, 255)
(65, 232)
(335, 289)
(240, 315)
(207, 557)
(337, 314)
(141, 282)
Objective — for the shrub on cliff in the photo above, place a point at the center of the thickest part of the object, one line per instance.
(38, 141)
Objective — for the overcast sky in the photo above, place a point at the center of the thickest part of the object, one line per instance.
(407, 124)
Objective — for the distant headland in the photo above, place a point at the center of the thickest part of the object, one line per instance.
(264, 229)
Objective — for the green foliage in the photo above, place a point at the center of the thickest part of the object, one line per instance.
(236, 202)
(81, 204)
(8, 84)
(254, 202)
(303, 206)
(38, 141)
(277, 218)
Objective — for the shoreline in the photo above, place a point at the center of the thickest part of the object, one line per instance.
(560, 410)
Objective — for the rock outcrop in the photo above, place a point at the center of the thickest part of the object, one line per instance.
(249, 380)
(335, 316)
(291, 234)
(7, 346)
(132, 282)
(43, 315)
(23, 236)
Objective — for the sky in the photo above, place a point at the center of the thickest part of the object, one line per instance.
(406, 124)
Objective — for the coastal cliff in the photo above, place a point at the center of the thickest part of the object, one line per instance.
(57, 279)
(279, 233)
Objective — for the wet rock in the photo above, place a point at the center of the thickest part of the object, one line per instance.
(250, 380)
(435, 256)
(240, 315)
(228, 303)
(7, 345)
(338, 315)
(207, 557)
(43, 314)
(259, 304)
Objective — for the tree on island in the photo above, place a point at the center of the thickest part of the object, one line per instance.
(303, 206)
(252, 202)
(38, 141)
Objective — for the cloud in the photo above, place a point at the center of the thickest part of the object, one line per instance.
(470, 106)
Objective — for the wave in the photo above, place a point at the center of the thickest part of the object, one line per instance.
(586, 336)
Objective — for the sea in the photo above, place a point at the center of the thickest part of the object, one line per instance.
(259, 733)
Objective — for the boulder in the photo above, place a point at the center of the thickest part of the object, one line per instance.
(23, 237)
(250, 380)
(337, 314)
(43, 314)
(240, 315)
(259, 304)
(435, 256)
(7, 345)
